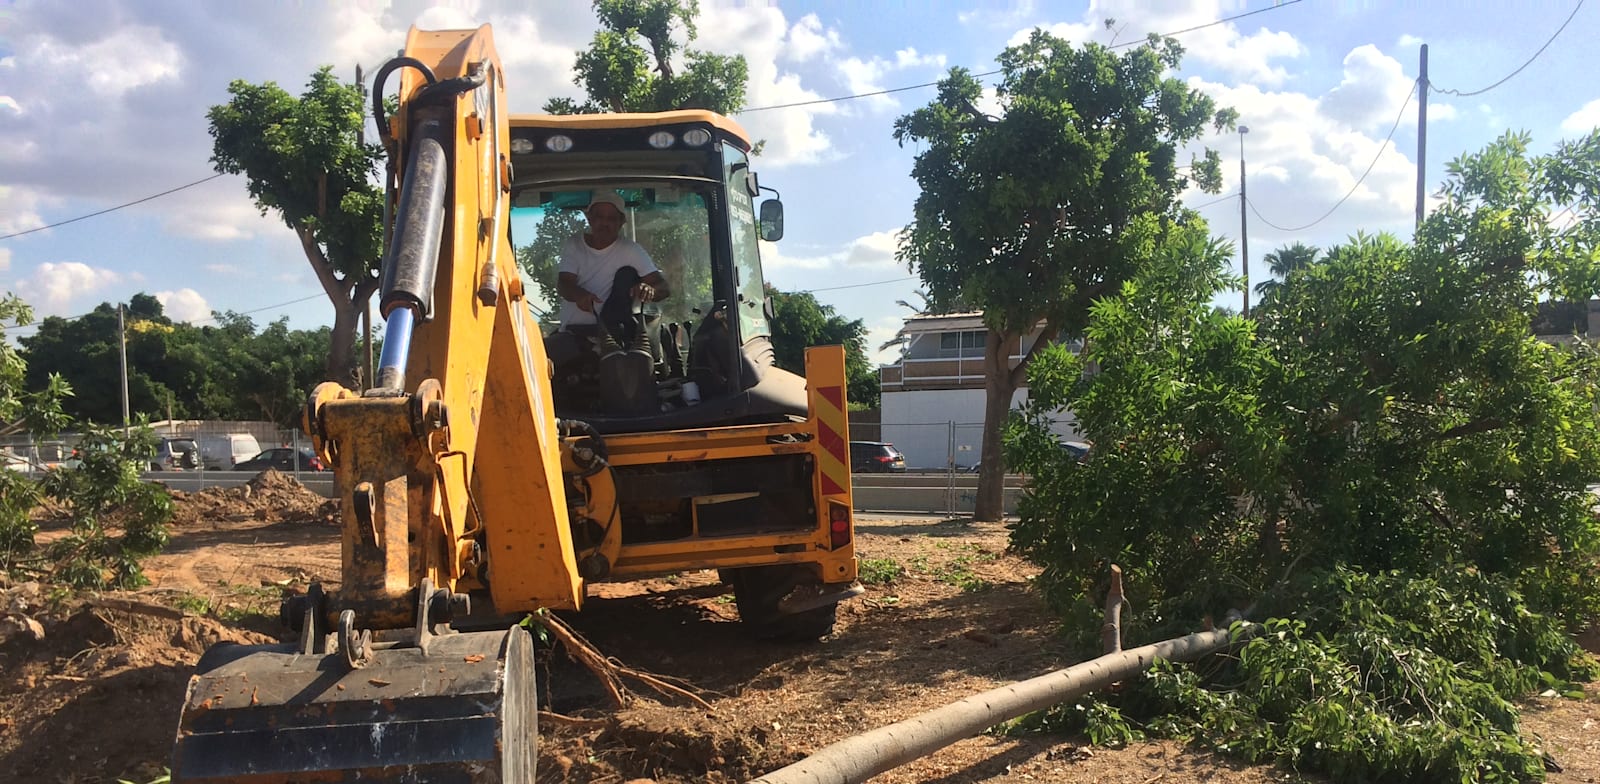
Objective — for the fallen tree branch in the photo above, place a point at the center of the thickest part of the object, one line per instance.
(609, 670)
(861, 757)
(140, 608)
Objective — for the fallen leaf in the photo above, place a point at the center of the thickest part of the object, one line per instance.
(475, 658)
(377, 682)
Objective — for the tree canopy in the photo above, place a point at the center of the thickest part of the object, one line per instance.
(1385, 460)
(801, 321)
(229, 370)
(1033, 214)
(633, 63)
(302, 159)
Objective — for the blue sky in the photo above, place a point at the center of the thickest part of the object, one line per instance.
(103, 102)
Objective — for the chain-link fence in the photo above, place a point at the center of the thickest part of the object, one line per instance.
(189, 446)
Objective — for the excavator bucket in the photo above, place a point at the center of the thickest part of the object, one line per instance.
(463, 711)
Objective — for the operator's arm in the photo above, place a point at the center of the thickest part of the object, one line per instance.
(568, 289)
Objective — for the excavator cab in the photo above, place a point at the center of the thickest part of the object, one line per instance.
(702, 356)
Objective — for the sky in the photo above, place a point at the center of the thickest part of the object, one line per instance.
(103, 103)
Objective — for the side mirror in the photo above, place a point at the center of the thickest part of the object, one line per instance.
(772, 220)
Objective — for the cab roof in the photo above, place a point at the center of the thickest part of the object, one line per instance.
(633, 120)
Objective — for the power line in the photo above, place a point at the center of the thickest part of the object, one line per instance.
(197, 322)
(110, 209)
(859, 285)
(815, 101)
(1218, 200)
(1508, 76)
(1381, 146)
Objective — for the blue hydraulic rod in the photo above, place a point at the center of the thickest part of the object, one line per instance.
(396, 347)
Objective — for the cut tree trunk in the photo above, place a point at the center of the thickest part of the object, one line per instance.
(861, 757)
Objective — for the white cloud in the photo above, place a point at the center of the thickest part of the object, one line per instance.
(791, 135)
(125, 60)
(222, 269)
(872, 251)
(999, 19)
(1584, 120)
(866, 76)
(7, 102)
(1371, 91)
(1252, 56)
(54, 286)
(184, 305)
(808, 39)
(19, 209)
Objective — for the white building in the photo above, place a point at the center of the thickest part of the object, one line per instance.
(933, 397)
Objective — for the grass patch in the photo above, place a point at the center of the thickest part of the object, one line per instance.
(879, 571)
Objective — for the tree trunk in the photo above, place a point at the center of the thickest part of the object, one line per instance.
(999, 385)
(341, 365)
(861, 757)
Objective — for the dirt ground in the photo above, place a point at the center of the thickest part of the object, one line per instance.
(97, 698)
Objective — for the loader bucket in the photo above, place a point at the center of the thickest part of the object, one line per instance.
(463, 712)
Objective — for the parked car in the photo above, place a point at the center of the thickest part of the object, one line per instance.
(1077, 451)
(875, 457)
(176, 454)
(222, 451)
(283, 459)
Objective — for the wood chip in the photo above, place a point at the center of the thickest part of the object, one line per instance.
(377, 682)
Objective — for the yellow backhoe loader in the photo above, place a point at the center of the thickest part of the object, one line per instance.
(478, 483)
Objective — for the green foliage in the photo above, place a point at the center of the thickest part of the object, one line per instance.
(879, 571)
(633, 63)
(802, 321)
(1283, 262)
(38, 412)
(1393, 677)
(302, 159)
(1033, 215)
(103, 492)
(228, 370)
(1386, 459)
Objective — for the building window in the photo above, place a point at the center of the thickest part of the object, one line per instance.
(957, 341)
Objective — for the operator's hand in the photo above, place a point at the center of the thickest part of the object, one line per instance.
(644, 292)
(588, 302)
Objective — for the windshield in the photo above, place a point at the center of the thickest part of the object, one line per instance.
(746, 255)
(670, 221)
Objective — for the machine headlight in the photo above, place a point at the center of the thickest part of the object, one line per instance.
(521, 146)
(558, 143)
(661, 140)
(697, 137)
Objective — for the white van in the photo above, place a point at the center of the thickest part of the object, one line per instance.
(219, 451)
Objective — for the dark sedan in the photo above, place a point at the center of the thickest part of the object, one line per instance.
(283, 459)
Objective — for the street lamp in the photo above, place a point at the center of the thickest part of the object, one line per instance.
(1244, 230)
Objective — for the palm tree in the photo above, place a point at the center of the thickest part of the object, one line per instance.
(1284, 262)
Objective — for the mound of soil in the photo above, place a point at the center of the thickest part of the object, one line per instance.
(270, 496)
(97, 698)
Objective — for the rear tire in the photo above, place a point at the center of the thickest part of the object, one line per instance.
(757, 590)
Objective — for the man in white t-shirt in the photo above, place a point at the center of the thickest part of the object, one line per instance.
(588, 269)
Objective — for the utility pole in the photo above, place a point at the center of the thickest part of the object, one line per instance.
(122, 344)
(1422, 135)
(1244, 228)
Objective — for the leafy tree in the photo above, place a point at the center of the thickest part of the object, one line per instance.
(103, 492)
(802, 321)
(1034, 214)
(1385, 460)
(22, 411)
(302, 159)
(632, 64)
(1284, 262)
